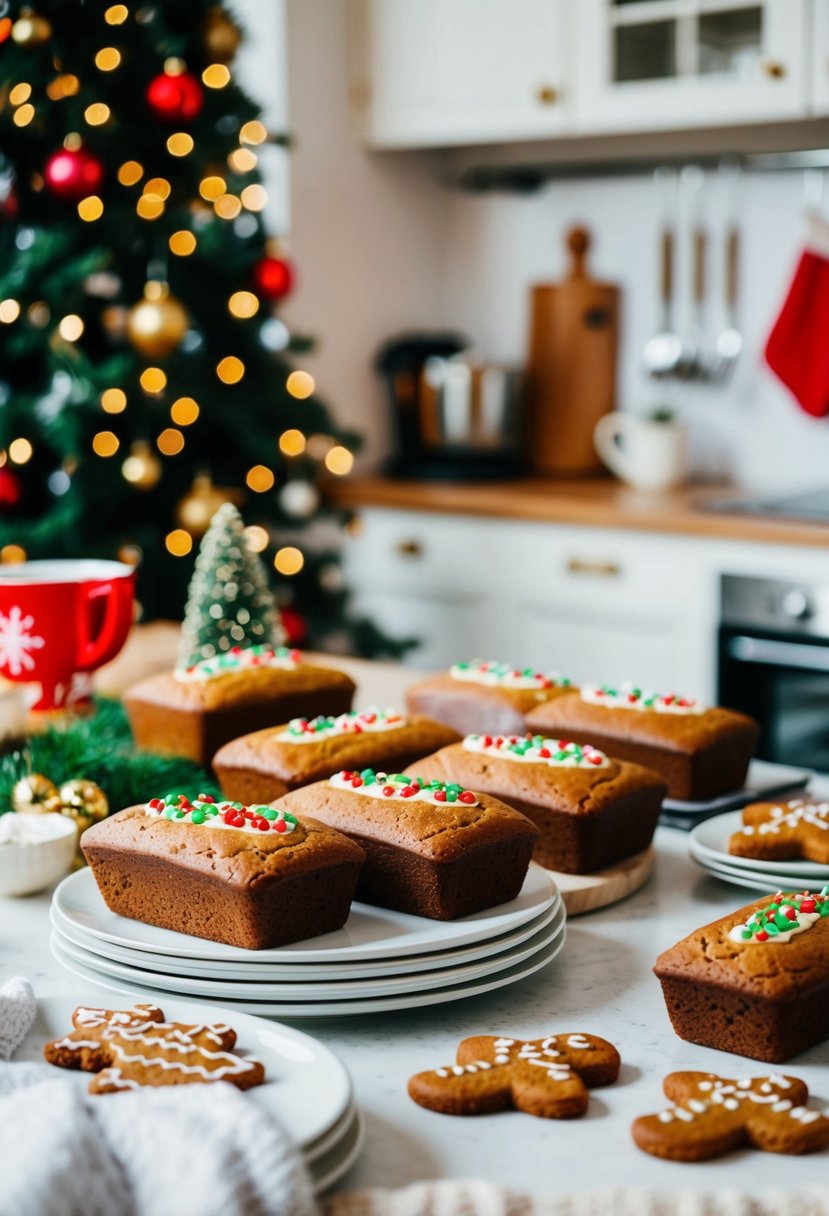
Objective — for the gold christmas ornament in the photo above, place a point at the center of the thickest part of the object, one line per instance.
(35, 795)
(142, 468)
(157, 324)
(220, 36)
(30, 29)
(195, 511)
(84, 802)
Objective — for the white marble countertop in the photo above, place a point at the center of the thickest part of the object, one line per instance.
(602, 983)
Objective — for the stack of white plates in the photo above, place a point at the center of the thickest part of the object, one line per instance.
(708, 844)
(381, 960)
(307, 1089)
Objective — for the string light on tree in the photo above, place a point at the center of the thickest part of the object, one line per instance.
(97, 114)
(9, 311)
(178, 542)
(216, 76)
(71, 327)
(180, 144)
(105, 444)
(253, 132)
(182, 243)
(257, 538)
(254, 197)
(230, 370)
(260, 479)
(113, 400)
(292, 442)
(170, 442)
(153, 380)
(116, 14)
(184, 411)
(130, 173)
(288, 560)
(243, 304)
(212, 188)
(20, 451)
(242, 160)
(300, 384)
(91, 208)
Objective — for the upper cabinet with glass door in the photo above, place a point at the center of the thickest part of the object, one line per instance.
(660, 64)
(441, 72)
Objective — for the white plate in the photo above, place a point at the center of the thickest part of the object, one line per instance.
(769, 883)
(324, 1144)
(250, 969)
(370, 933)
(327, 1009)
(710, 839)
(246, 990)
(307, 1090)
(339, 1160)
(763, 780)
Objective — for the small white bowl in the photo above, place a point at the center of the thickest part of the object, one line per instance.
(34, 853)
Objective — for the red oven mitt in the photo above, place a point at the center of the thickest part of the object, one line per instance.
(797, 350)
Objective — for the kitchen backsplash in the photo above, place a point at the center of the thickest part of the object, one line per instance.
(406, 251)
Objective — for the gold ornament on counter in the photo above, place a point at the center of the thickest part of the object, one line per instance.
(157, 324)
(84, 802)
(35, 795)
(30, 29)
(221, 37)
(201, 502)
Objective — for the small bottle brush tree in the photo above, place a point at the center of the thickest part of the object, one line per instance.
(228, 603)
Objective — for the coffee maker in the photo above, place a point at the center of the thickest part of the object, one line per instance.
(454, 418)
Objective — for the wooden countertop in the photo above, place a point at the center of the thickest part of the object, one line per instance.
(598, 503)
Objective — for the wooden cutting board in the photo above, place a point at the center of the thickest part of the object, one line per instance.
(586, 892)
(571, 371)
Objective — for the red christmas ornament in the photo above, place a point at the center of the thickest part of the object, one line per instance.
(11, 490)
(176, 99)
(73, 173)
(295, 626)
(273, 278)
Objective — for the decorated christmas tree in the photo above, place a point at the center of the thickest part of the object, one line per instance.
(145, 377)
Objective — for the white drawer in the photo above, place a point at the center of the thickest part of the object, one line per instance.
(437, 553)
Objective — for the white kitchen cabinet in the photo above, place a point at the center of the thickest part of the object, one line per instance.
(647, 65)
(591, 604)
(432, 72)
(820, 58)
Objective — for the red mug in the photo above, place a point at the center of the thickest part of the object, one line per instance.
(59, 620)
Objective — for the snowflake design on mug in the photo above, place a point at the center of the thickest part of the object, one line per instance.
(16, 640)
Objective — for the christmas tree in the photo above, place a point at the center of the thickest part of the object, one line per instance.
(144, 378)
(228, 603)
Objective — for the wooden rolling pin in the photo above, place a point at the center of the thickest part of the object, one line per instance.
(571, 373)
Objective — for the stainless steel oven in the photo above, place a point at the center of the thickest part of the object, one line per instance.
(774, 664)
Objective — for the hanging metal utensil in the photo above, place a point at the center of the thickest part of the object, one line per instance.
(730, 340)
(663, 351)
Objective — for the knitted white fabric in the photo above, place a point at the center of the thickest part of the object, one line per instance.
(156, 1152)
(471, 1198)
(17, 1012)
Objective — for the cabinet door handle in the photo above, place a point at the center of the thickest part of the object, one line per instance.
(600, 569)
(546, 94)
(774, 68)
(409, 548)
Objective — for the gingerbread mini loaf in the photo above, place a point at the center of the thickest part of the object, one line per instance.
(591, 811)
(193, 711)
(756, 982)
(432, 849)
(486, 697)
(252, 877)
(267, 764)
(700, 751)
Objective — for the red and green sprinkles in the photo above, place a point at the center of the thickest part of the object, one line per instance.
(537, 749)
(241, 658)
(493, 673)
(206, 811)
(353, 723)
(399, 785)
(785, 916)
(629, 696)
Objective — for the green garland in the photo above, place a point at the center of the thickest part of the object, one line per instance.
(99, 746)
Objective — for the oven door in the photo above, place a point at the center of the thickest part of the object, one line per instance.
(784, 684)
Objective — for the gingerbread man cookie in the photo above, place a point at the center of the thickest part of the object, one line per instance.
(131, 1048)
(785, 831)
(712, 1115)
(547, 1077)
